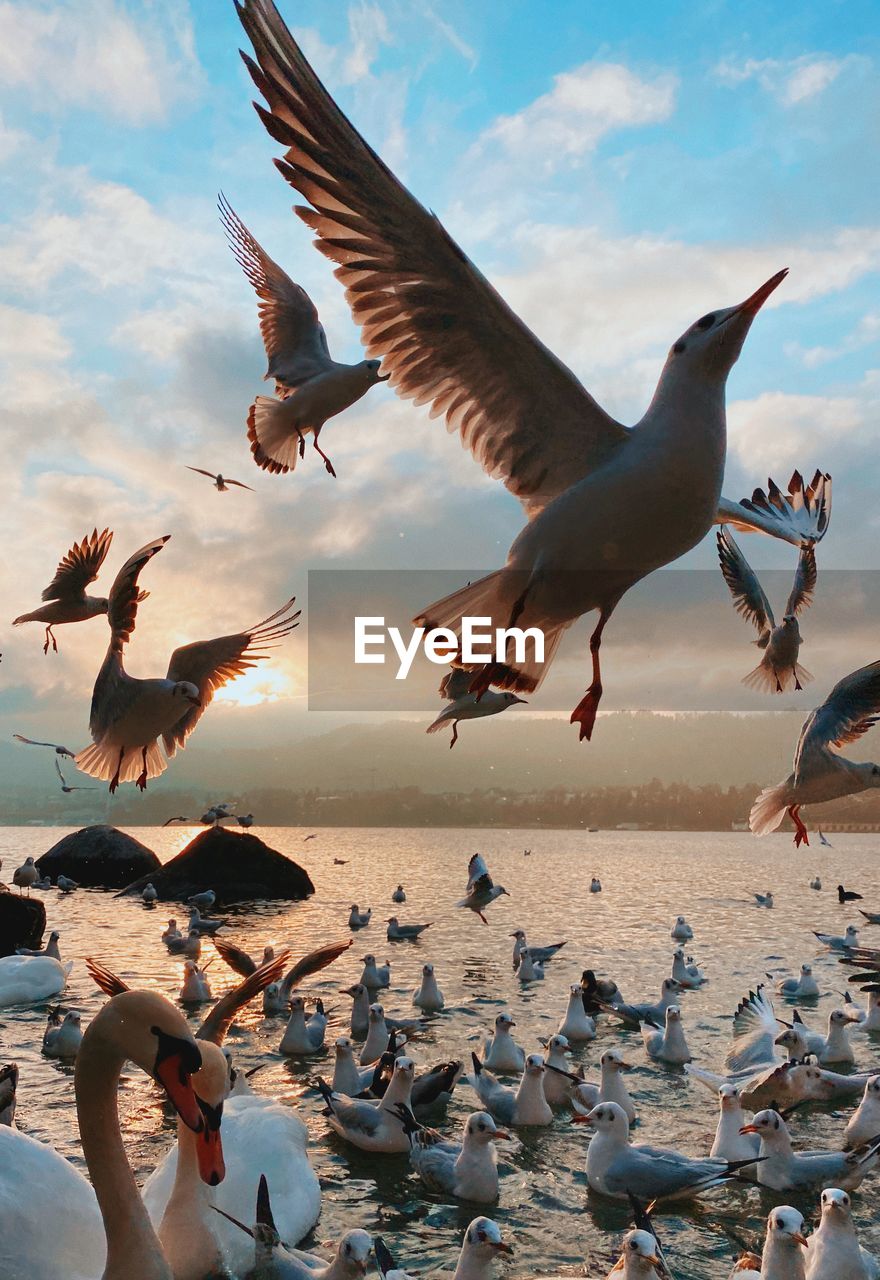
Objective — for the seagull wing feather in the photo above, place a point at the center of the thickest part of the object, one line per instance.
(79, 567)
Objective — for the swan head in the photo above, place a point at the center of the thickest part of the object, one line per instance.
(145, 1028)
(211, 1084)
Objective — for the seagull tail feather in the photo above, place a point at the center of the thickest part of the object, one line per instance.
(765, 680)
(495, 597)
(273, 438)
(769, 809)
(100, 761)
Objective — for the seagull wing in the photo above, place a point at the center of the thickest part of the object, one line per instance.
(210, 664)
(801, 596)
(477, 870)
(79, 567)
(313, 962)
(238, 960)
(224, 1012)
(238, 484)
(456, 684)
(801, 516)
(445, 336)
(202, 472)
(293, 336)
(754, 1031)
(60, 774)
(849, 711)
(749, 599)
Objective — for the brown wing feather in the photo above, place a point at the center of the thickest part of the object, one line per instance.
(313, 962)
(222, 1016)
(79, 567)
(109, 982)
(210, 664)
(237, 959)
(445, 336)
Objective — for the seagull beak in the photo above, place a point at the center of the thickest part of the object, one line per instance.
(581, 1120)
(502, 1247)
(523, 700)
(749, 1128)
(502, 1134)
(800, 1238)
(752, 305)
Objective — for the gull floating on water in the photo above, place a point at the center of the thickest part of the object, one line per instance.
(834, 1252)
(63, 1036)
(221, 483)
(840, 942)
(618, 1168)
(427, 996)
(398, 895)
(310, 384)
(446, 338)
(530, 969)
(779, 667)
(373, 1126)
(667, 1044)
(358, 919)
(466, 705)
(525, 1105)
(542, 954)
(730, 1143)
(467, 1169)
(784, 1169)
(502, 1053)
(681, 931)
(304, 1034)
(818, 774)
(864, 1123)
(404, 932)
(66, 594)
(129, 715)
(803, 987)
(576, 1025)
(51, 948)
(8, 1087)
(611, 1088)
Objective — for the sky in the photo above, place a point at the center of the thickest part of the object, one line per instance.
(616, 171)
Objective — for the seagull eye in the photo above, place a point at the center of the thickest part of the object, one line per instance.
(707, 321)
(634, 1244)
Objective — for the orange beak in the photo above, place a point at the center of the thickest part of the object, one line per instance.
(753, 304)
(801, 1239)
(749, 1128)
(176, 1061)
(209, 1149)
(503, 1135)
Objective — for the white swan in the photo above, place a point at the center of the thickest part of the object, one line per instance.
(30, 979)
(38, 1187)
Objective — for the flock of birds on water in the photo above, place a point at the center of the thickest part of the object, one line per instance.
(237, 1194)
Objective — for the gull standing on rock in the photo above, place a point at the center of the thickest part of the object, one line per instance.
(25, 876)
(818, 773)
(66, 594)
(465, 705)
(607, 505)
(779, 667)
(310, 384)
(129, 715)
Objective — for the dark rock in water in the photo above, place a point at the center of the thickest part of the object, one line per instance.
(239, 867)
(99, 857)
(22, 921)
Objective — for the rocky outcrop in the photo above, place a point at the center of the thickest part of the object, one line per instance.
(239, 867)
(22, 922)
(99, 857)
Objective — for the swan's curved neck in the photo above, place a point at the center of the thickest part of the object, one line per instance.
(132, 1246)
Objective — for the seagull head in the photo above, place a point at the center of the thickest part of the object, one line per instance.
(504, 1022)
(612, 1061)
(711, 346)
(768, 1125)
(188, 691)
(608, 1117)
(786, 1226)
(729, 1097)
(371, 369)
(640, 1249)
(835, 1203)
(481, 1128)
(511, 698)
(484, 1238)
(353, 1253)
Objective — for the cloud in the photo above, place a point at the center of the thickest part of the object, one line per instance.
(26, 336)
(792, 81)
(450, 34)
(865, 334)
(94, 54)
(582, 107)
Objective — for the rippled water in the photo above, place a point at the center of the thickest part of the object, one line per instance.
(648, 878)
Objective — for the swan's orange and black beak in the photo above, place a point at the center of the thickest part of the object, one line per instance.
(177, 1060)
(209, 1148)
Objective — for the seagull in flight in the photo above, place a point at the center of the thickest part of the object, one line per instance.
(129, 715)
(464, 705)
(64, 786)
(819, 774)
(606, 504)
(310, 385)
(221, 483)
(65, 596)
(781, 642)
(56, 747)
